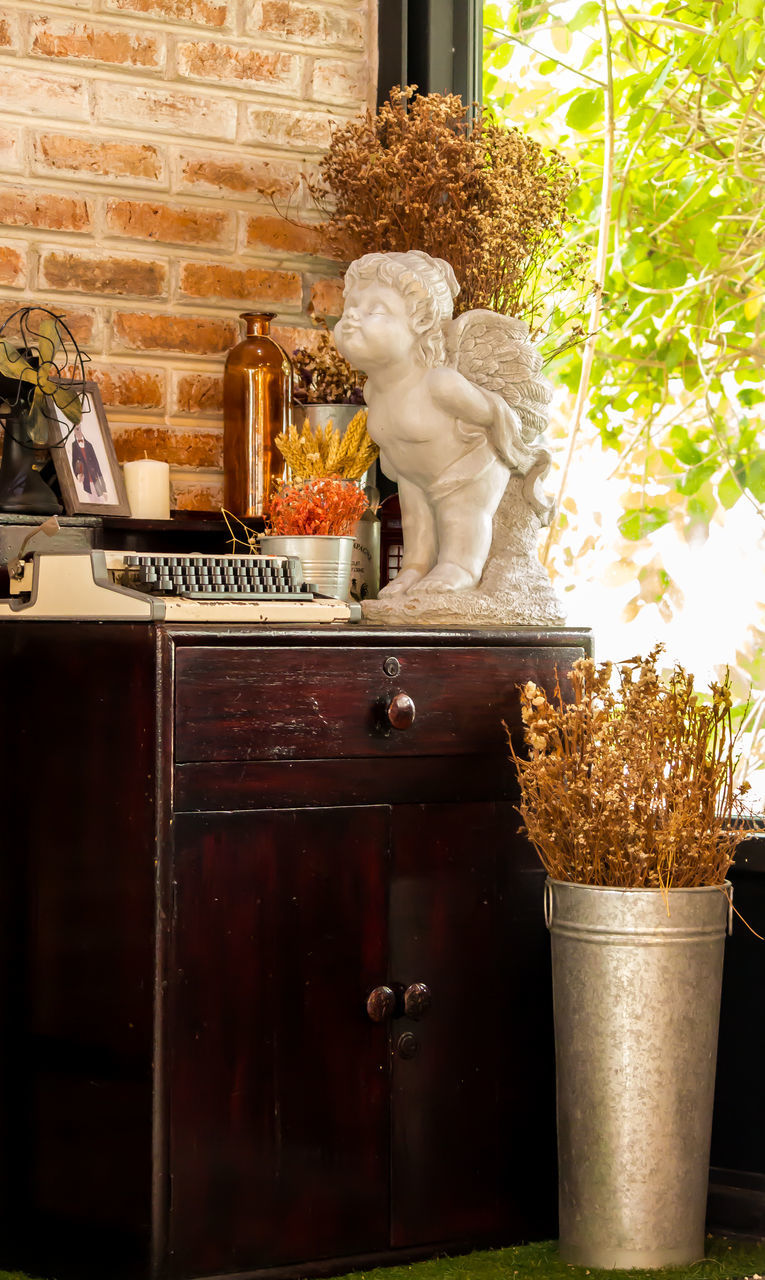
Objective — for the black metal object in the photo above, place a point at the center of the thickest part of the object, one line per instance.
(435, 44)
(737, 1180)
(43, 366)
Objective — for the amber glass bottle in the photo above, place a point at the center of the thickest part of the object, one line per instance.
(257, 398)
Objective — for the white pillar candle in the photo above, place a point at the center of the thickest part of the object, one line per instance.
(148, 489)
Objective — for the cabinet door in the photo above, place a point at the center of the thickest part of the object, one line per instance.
(277, 1100)
(473, 1156)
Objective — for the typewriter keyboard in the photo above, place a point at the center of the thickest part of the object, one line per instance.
(218, 577)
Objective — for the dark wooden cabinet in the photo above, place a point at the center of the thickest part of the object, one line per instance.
(223, 847)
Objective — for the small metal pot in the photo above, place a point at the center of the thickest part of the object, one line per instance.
(325, 557)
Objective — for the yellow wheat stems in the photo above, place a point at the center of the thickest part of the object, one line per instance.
(312, 455)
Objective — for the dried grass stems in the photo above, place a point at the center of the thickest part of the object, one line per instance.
(312, 455)
(631, 783)
(426, 172)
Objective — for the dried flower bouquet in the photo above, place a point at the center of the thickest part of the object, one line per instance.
(324, 506)
(429, 172)
(313, 455)
(323, 376)
(631, 784)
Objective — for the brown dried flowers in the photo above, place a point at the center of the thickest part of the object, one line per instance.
(631, 783)
(427, 172)
(323, 376)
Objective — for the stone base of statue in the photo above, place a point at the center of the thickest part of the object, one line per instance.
(514, 589)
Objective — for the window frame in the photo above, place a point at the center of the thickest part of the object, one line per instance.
(435, 44)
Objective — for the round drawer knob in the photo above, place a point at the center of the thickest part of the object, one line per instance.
(381, 1004)
(401, 711)
(416, 1000)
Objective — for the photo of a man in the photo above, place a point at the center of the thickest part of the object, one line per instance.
(86, 463)
(87, 471)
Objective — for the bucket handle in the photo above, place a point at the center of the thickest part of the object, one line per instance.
(729, 896)
(548, 903)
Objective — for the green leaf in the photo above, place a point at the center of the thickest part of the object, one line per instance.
(728, 491)
(695, 477)
(585, 110)
(683, 447)
(755, 478)
(750, 8)
(638, 524)
(641, 273)
(585, 16)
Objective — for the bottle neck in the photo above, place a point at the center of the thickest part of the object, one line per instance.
(258, 323)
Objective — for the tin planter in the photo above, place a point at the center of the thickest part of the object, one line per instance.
(636, 994)
(326, 558)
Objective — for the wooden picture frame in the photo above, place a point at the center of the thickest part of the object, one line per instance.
(86, 464)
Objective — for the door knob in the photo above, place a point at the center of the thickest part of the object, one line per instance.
(401, 711)
(381, 1004)
(417, 1000)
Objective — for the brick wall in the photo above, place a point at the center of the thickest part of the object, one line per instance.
(143, 144)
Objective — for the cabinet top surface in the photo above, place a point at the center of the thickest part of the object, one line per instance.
(355, 633)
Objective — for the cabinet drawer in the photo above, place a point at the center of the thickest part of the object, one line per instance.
(243, 703)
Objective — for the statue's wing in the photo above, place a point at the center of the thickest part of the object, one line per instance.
(495, 353)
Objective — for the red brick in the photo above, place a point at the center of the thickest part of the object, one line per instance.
(249, 179)
(10, 150)
(133, 162)
(84, 327)
(250, 284)
(308, 24)
(326, 298)
(20, 208)
(173, 111)
(171, 224)
(199, 393)
(82, 324)
(59, 38)
(342, 82)
(269, 126)
(122, 387)
(49, 93)
(181, 447)
(203, 13)
(191, 335)
(99, 273)
(290, 337)
(13, 265)
(193, 495)
(271, 232)
(9, 32)
(237, 64)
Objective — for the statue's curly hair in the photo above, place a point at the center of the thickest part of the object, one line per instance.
(428, 287)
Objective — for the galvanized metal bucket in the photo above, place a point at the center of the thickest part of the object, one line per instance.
(319, 415)
(636, 993)
(326, 558)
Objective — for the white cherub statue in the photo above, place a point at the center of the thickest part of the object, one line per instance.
(456, 407)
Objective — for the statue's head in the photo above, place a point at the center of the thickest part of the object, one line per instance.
(398, 301)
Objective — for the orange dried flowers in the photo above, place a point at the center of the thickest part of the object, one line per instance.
(326, 506)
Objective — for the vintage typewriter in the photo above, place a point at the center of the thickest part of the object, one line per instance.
(111, 586)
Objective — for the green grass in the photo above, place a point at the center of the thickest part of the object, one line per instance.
(725, 1260)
